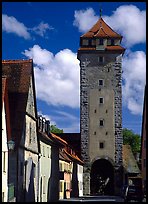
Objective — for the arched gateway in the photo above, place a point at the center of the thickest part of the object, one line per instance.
(100, 56)
(102, 178)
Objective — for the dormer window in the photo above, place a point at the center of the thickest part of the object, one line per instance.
(101, 41)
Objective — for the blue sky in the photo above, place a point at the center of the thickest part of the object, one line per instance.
(49, 33)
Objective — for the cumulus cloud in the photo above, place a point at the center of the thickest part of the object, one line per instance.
(57, 77)
(12, 25)
(41, 29)
(127, 20)
(130, 22)
(134, 80)
(85, 19)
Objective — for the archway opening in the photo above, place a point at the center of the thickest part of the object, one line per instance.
(102, 178)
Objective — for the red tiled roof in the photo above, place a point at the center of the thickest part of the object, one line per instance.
(74, 157)
(101, 29)
(63, 156)
(59, 139)
(7, 110)
(18, 73)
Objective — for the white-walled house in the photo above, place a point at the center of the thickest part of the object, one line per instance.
(49, 145)
(23, 161)
(5, 134)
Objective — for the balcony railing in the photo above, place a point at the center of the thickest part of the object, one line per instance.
(10, 191)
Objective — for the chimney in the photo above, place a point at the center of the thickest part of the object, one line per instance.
(39, 122)
(43, 124)
(47, 127)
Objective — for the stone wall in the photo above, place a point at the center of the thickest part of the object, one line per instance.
(111, 70)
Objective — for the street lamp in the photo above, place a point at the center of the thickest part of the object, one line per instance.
(11, 144)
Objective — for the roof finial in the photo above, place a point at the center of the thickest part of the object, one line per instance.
(100, 13)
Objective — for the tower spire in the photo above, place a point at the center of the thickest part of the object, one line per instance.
(100, 12)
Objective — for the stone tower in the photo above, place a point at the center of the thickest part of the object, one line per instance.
(100, 56)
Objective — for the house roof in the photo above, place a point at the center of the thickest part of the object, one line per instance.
(7, 110)
(63, 156)
(129, 162)
(74, 157)
(74, 141)
(18, 73)
(101, 29)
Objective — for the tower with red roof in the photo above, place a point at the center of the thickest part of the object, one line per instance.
(100, 56)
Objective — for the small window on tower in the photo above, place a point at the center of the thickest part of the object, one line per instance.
(101, 82)
(101, 100)
(101, 145)
(101, 41)
(101, 59)
(101, 122)
(85, 42)
(112, 42)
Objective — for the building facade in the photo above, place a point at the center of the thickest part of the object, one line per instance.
(23, 160)
(5, 137)
(100, 56)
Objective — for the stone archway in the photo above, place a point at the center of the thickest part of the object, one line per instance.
(102, 178)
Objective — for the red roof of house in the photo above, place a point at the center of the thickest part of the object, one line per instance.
(101, 29)
(18, 73)
(5, 100)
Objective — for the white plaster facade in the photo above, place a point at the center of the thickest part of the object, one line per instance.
(4, 157)
(44, 171)
(80, 179)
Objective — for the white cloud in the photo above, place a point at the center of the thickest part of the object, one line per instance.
(41, 29)
(85, 19)
(57, 77)
(130, 22)
(12, 25)
(127, 20)
(134, 76)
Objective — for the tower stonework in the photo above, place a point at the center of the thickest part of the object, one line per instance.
(100, 56)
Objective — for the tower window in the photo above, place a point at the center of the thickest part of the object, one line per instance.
(101, 100)
(101, 41)
(85, 42)
(93, 42)
(101, 59)
(101, 82)
(101, 122)
(101, 145)
(112, 42)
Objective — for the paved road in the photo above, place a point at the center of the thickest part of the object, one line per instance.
(94, 199)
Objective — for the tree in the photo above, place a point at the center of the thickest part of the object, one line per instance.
(54, 129)
(132, 139)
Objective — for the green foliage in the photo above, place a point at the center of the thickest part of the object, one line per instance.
(54, 129)
(134, 140)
